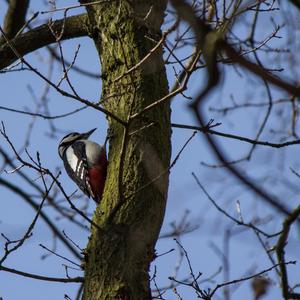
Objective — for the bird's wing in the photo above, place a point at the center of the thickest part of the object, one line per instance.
(78, 168)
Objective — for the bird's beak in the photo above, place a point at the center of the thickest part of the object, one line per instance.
(87, 134)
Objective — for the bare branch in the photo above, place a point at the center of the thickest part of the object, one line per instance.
(287, 293)
(39, 277)
(15, 17)
(204, 129)
(237, 221)
(75, 26)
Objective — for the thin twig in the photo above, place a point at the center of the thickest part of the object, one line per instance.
(40, 277)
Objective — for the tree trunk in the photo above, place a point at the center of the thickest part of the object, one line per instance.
(131, 212)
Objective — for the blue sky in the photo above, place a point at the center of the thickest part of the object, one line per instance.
(184, 194)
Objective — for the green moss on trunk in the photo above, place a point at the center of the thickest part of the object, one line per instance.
(119, 255)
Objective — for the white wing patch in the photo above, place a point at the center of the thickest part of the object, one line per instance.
(72, 159)
(82, 175)
(76, 164)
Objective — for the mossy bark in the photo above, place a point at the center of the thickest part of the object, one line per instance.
(119, 254)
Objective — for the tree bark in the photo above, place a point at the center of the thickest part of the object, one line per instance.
(15, 17)
(131, 212)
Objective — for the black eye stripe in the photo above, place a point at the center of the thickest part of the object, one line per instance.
(65, 143)
(75, 135)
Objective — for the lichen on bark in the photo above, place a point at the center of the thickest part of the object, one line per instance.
(120, 252)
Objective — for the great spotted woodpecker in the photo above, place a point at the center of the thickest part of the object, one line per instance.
(85, 162)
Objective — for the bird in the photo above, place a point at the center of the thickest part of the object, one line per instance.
(85, 162)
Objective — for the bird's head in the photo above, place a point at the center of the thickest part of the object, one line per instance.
(72, 137)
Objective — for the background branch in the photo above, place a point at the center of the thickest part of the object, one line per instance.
(36, 38)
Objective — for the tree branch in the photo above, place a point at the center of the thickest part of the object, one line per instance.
(35, 206)
(215, 43)
(237, 137)
(296, 3)
(75, 26)
(287, 293)
(15, 17)
(39, 277)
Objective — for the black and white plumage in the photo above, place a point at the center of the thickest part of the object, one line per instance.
(85, 162)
